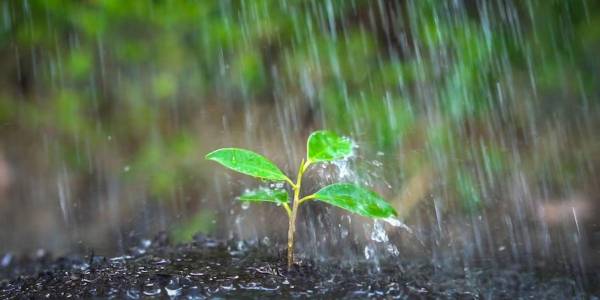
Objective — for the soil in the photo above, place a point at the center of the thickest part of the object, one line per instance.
(208, 268)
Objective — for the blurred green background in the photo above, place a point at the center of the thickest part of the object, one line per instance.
(471, 116)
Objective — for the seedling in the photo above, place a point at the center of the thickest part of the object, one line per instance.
(322, 146)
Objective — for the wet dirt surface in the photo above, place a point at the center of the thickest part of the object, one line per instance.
(209, 268)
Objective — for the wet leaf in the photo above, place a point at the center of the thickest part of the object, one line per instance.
(247, 162)
(327, 146)
(356, 199)
(265, 195)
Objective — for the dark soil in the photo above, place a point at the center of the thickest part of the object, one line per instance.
(214, 269)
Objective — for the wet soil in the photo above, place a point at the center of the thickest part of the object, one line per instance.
(210, 268)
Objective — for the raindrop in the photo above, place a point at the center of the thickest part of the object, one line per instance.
(277, 185)
(6, 259)
(369, 252)
(397, 223)
(151, 290)
(392, 249)
(173, 289)
(343, 231)
(146, 243)
(133, 294)
(266, 241)
(378, 234)
(344, 169)
(245, 205)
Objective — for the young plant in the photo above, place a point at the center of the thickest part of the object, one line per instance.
(322, 146)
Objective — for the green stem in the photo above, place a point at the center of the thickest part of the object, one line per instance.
(290, 182)
(288, 210)
(294, 214)
(308, 162)
(310, 197)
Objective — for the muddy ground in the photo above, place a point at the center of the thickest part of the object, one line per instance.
(208, 268)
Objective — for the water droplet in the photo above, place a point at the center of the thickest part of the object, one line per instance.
(245, 205)
(241, 245)
(343, 231)
(378, 234)
(344, 169)
(173, 289)
(369, 252)
(151, 290)
(146, 243)
(6, 259)
(266, 241)
(133, 294)
(392, 249)
(276, 185)
(397, 223)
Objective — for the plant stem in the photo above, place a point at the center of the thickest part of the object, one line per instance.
(290, 182)
(288, 210)
(306, 198)
(292, 224)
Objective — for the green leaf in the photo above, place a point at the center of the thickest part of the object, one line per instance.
(247, 162)
(327, 146)
(265, 195)
(356, 199)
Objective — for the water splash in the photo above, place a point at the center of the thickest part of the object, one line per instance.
(392, 249)
(369, 252)
(245, 205)
(480, 95)
(397, 223)
(378, 234)
(344, 170)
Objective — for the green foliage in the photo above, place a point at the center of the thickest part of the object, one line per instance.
(357, 200)
(247, 162)
(164, 164)
(279, 196)
(327, 146)
(201, 222)
(468, 191)
(321, 146)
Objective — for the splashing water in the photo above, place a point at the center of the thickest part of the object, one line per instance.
(393, 250)
(245, 205)
(477, 119)
(397, 223)
(378, 234)
(369, 252)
